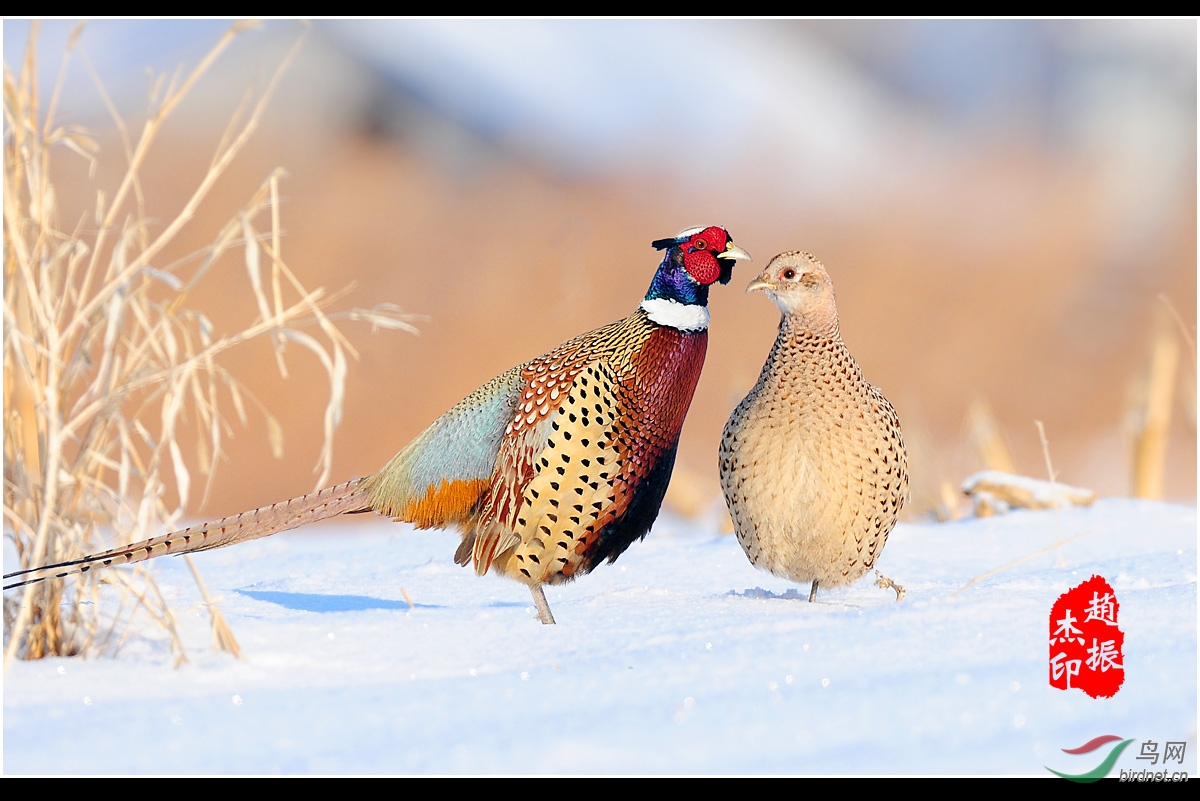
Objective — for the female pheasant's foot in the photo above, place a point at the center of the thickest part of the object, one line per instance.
(883, 582)
(812, 594)
(543, 608)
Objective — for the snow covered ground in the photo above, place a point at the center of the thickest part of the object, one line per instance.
(679, 658)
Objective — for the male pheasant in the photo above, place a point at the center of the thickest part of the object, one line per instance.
(812, 461)
(547, 469)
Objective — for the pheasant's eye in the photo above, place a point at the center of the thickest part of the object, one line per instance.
(700, 244)
(789, 274)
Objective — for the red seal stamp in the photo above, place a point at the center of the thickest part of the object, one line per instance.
(1085, 641)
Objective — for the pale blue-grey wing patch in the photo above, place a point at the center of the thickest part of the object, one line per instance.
(449, 463)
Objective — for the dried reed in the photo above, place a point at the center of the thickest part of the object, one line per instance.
(1151, 417)
(987, 438)
(104, 360)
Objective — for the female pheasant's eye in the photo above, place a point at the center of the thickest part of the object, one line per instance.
(700, 245)
(789, 274)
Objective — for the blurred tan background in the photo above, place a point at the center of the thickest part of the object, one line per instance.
(1007, 210)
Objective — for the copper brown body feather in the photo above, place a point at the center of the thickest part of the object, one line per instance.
(595, 416)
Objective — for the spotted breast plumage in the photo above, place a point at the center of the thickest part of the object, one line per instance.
(812, 461)
(549, 468)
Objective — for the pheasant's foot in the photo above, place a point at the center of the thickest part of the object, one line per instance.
(543, 608)
(885, 583)
(812, 594)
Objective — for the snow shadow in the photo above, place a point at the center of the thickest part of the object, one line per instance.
(795, 594)
(311, 602)
(759, 592)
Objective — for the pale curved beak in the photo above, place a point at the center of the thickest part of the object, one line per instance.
(760, 284)
(732, 251)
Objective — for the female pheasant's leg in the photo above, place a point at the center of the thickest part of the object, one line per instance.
(812, 594)
(543, 608)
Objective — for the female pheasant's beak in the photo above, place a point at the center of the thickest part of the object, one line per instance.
(762, 283)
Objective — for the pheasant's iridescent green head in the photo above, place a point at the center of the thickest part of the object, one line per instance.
(696, 259)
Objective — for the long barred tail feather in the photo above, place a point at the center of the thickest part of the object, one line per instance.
(262, 522)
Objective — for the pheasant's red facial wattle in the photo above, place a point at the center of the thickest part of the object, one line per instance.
(702, 266)
(699, 254)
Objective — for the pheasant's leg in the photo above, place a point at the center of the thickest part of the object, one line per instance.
(543, 608)
(812, 594)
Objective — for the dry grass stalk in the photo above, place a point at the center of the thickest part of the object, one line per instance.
(1051, 474)
(104, 359)
(949, 508)
(987, 439)
(690, 495)
(1024, 558)
(223, 638)
(1183, 328)
(1152, 421)
(1187, 385)
(1053, 477)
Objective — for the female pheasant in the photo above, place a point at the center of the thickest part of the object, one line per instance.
(812, 461)
(547, 469)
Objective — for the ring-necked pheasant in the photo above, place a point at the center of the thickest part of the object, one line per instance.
(812, 461)
(547, 469)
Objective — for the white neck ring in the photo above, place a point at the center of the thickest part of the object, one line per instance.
(685, 317)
